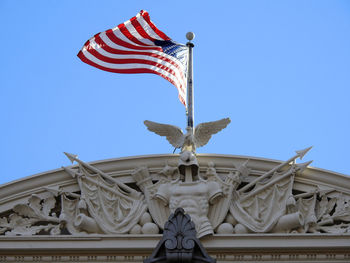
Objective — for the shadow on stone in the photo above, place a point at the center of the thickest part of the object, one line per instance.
(179, 242)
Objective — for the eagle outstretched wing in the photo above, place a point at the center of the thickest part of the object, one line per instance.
(173, 134)
(205, 130)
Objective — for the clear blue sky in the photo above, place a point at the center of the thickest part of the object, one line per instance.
(279, 69)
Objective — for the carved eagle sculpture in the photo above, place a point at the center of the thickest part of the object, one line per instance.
(191, 140)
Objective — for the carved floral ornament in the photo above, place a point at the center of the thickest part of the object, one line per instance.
(232, 201)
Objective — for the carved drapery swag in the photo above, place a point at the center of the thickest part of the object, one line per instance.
(114, 210)
(69, 213)
(261, 211)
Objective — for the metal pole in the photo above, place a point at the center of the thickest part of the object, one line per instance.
(190, 113)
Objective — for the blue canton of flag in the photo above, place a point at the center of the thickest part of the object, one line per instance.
(176, 50)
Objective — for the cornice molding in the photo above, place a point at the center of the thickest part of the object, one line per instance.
(135, 248)
(143, 243)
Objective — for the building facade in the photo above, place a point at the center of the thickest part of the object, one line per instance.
(244, 209)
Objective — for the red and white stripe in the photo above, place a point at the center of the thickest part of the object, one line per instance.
(129, 48)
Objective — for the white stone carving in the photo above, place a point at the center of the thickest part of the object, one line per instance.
(108, 207)
(194, 198)
(220, 200)
(260, 209)
(193, 138)
(159, 210)
(27, 217)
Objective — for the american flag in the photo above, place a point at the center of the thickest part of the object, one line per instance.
(138, 46)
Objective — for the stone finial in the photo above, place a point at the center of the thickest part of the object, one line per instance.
(179, 242)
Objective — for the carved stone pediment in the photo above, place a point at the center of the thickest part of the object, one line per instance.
(228, 195)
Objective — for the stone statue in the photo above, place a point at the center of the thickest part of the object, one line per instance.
(192, 193)
(194, 197)
(193, 138)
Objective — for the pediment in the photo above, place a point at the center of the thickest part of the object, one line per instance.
(132, 197)
(40, 199)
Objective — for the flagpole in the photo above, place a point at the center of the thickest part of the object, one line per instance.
(190, 113)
